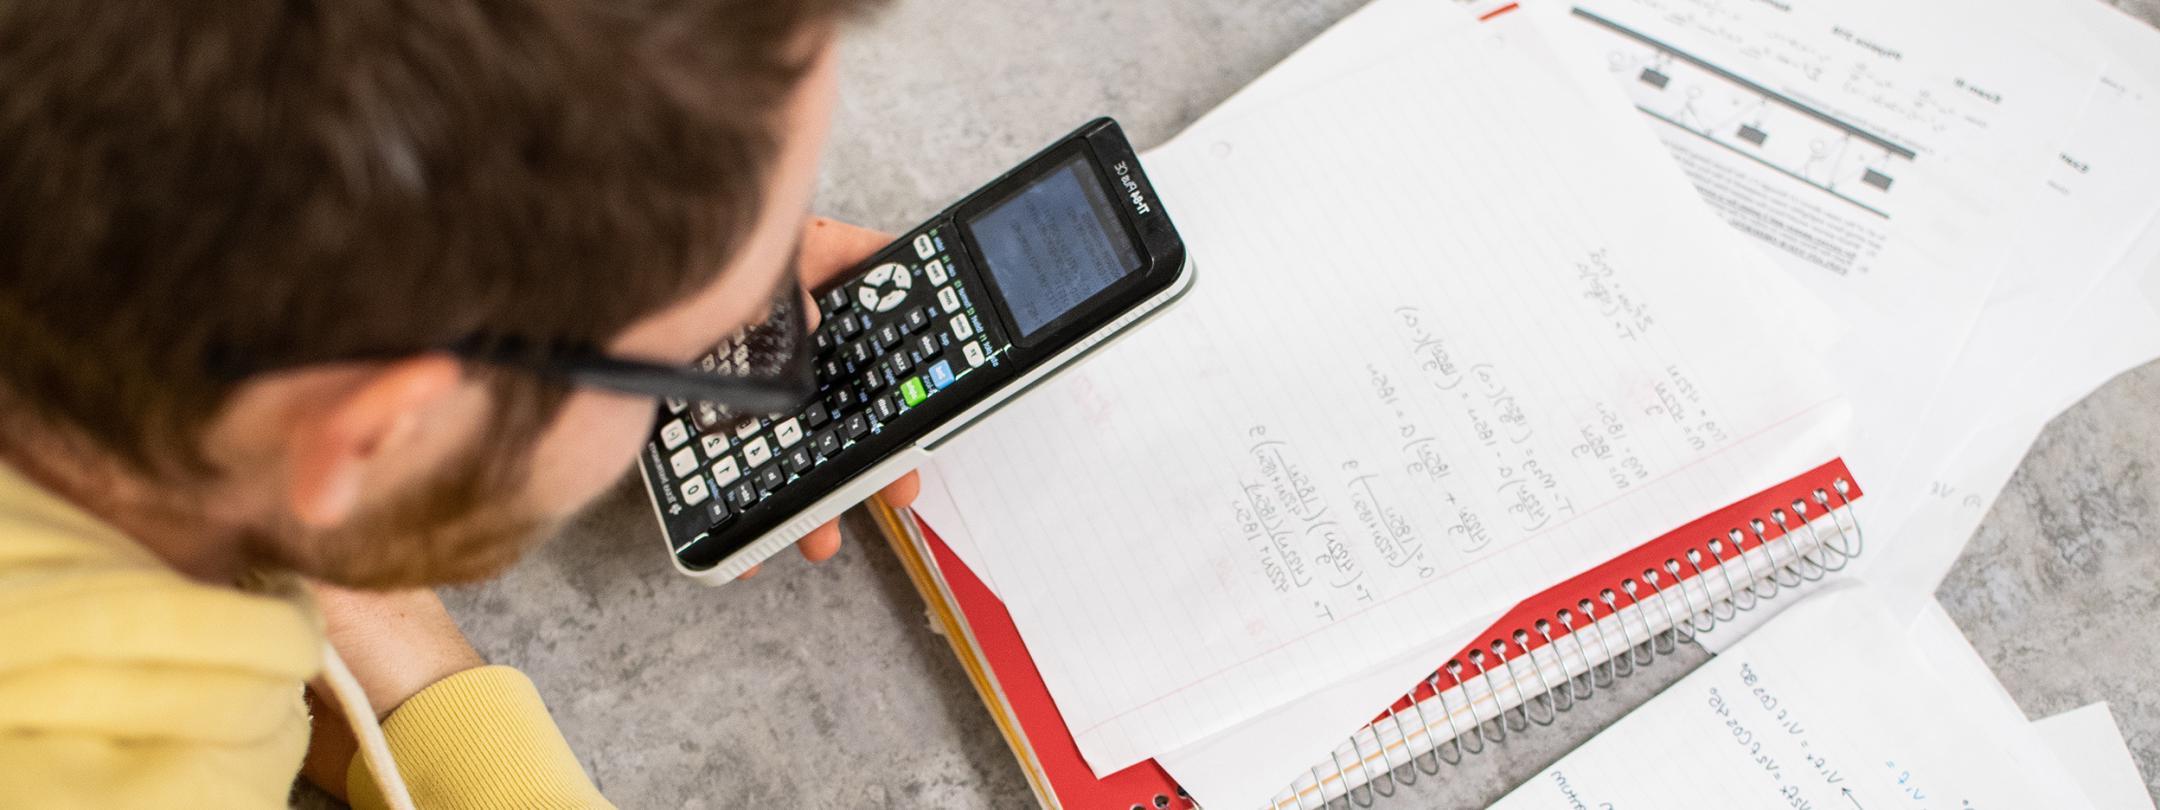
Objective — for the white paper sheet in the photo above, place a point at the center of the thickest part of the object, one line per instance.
(1457, 246)
(2088, 743)
(1830, 706)
(2068, 314)
(1887, 160)
(1245, 766)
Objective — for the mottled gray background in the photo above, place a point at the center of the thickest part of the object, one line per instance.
(823, 686)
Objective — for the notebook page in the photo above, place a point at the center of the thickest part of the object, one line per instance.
(1831, 706)
(1456, 336)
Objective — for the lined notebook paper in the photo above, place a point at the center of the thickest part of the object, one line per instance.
(1831, 706)
(1440, 355)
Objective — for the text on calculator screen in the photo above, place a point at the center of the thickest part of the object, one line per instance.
(1053, 244)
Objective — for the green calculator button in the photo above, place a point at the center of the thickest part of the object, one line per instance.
(912, 392)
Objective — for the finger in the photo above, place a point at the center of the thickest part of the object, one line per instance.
(902, 492)
(812, 315)
(750, 573)
(830, 247)
(821, 543)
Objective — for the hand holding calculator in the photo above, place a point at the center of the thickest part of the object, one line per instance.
(993, 295)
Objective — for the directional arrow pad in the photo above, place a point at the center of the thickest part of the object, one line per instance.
(885, 287)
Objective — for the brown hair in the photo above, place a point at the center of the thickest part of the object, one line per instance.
(291, 181)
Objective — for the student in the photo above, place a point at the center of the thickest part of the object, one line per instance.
(280, 283)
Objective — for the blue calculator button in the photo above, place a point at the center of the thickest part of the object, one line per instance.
(941, 374)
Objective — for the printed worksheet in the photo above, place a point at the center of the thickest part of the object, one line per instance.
(1832, 706)
(1457, 335)
(1885, 158)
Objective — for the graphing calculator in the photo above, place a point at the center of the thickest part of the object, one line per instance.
(990, 297)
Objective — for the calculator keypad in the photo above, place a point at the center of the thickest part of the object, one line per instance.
(887, 343)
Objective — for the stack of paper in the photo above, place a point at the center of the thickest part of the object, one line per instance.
(1959, 215)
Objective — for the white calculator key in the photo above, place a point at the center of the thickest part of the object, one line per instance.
(962, 329)
(935, 271)
(676, 405)
(684, 461)
(902, 278)
(747, 429)
(924, 247)
(866, 295)
(974, 354)
(788, 433)
(694, 492)
(715, 444)
(879, 275)
(891, 301)
(725, 472)
(674, 434)
(949, 299)
(756, 453)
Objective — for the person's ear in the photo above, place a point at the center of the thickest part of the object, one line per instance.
(334, 446)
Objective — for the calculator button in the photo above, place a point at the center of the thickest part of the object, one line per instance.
(714, 443)
(901, 278)
(756, 452)
(694, 491)
(816, 414)
(742, 495)
(885, 408)
(788, 432)
(898, 363)
(826, 442)
(823, 340)
(962, 329)
(892, 301)
(974, 354)
(725, 472)
(850, 326)
(872, 380)
(941, 374)
(796, 461)
(855, 425)
(676, 405)
(706, 416)
(831, 369)
(912, 392)
(949, 299)
(880, 274)
(839, 398)
(835, 300)
(860, 352)
(866, 296)
(684, 462)
(926, 345)
(747, 429)
(917, 319)
(718, 512)
(674, 434)
(934, 271)
(770, 478)
(924, 247)
(887, 336)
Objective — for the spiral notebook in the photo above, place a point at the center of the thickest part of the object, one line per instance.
(1461, 346)
(1551, 651)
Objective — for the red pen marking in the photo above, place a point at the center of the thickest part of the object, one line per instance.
(1496, 12)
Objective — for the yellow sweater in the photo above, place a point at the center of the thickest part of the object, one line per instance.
(124, 684)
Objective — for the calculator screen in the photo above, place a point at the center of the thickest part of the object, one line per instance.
(1053, 244)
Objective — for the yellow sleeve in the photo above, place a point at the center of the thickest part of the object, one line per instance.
(479, 738)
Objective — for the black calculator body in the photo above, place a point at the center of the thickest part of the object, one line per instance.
(988, 298)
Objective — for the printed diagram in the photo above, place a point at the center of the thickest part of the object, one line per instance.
(1756, 122)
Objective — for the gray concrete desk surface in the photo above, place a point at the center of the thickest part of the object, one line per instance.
(823, 686)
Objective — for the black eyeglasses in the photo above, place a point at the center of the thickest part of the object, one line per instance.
(762, 370)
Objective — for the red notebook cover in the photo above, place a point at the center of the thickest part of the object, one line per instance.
(1053, 758)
